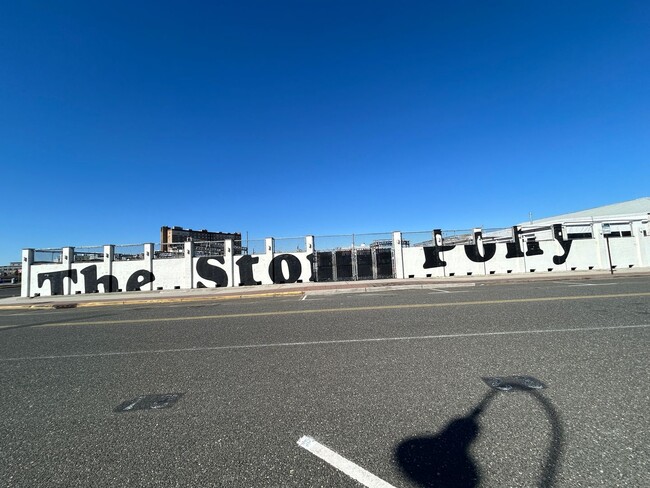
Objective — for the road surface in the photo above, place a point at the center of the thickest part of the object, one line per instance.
(390, 381)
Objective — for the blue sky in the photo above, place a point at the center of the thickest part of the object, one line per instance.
(315, 117)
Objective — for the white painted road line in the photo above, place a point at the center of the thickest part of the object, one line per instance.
(326, 343)
(592, 284)
(354, 471)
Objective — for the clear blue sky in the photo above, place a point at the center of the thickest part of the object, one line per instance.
(315, 117)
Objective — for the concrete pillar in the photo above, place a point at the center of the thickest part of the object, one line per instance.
(109, 257)
(26, 275)
(478, 240)
(637, 232)
(601, 246)
(398, 253)
(67, 255)
(148, 264)
(269, 245)
(188, 265)
(309, 244)
(229, 261)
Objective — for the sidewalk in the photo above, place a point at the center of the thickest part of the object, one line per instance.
(295, 289)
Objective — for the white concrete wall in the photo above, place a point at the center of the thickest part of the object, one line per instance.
(477, 259)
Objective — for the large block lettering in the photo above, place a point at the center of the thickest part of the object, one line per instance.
(473, 252)
(211, 272)
(56, 279)
(138, 279)
(245, 264)
(91, 281)
(293, 265)
(432, 256)
(566, 245)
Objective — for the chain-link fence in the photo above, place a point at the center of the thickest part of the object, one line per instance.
(209, 248)
(88, 254)
(334, 242)
(129, 252)
(498, 235)
(49, 255)
(417, 239)
(457, 237)
(289, 244)
(253, 246)
(169, 250)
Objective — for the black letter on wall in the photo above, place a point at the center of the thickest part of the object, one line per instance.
(211, 272)
(56, 279)
(533, 248)
(275, 269)
(566, 245)
(472, 251)
(90, 281)
(432, 257)
(311, 258)
(245, 264)
(514, 248)
(139, 279)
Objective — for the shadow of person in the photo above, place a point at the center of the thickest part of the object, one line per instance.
(444, 460)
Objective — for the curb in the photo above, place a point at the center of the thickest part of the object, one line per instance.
(144, 301)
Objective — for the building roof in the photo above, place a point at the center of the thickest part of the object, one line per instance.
(631, 207)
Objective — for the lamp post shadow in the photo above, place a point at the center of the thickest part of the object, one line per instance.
(444, 460)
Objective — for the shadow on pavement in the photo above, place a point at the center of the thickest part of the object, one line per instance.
(444, 460)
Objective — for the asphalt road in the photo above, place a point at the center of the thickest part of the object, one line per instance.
(391, 381)
(9, 290)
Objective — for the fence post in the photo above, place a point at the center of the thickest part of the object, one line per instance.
(311, 257)
(188, 261)
(229, 261)
(148, 263)
(68, 257)
(399, 255)
(26, 275)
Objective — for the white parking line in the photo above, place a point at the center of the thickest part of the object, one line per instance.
(354, 471)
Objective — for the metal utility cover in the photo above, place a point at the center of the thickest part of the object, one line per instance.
(507, 383)
(149, 402)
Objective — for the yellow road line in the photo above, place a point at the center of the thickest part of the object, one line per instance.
(145, 301)
(348, 309)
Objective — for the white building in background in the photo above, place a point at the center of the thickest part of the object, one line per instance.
(615, 220)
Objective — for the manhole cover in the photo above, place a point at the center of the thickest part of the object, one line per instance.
(507, 383)
(149, 402)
